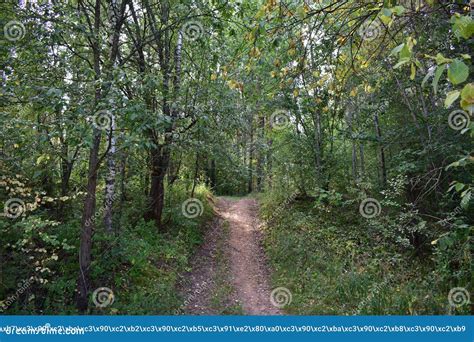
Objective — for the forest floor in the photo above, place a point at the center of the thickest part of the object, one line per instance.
(229, 272)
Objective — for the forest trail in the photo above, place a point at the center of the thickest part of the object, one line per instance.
(231, 256)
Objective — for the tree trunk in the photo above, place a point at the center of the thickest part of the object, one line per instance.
(123, 181)
(212, 174)
(89, 201)
(269, 170)
(173, 170)
(362, 160)
(261, 153)
(317, 145)
(383, 169)
(87, 226)
(355, 175)
(111, 169)
(110, 179)
(349, 121)
(160, 154)
(196, 170)
(250, 171)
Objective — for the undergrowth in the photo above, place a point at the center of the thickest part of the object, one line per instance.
(139, 264)
(335, 262)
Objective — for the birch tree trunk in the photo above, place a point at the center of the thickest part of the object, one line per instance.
(111, 169)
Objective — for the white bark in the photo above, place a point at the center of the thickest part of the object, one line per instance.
(111, 168)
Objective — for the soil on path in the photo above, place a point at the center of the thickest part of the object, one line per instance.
(236, 236)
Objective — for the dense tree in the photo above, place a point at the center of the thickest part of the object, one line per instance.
(114, 112)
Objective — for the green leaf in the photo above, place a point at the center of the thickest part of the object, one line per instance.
(385, 19)
(459, 186)
(402, 62)
(467, 97)
(437, 76)
(301, 12)
(398, 10)
(405, 52)
(397, 49)
(440, 59)
(387, 12)
(451, 97)
(458, 72)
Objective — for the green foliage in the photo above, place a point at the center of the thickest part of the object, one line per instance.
(334, 262)
(317, 108)
(39, 249)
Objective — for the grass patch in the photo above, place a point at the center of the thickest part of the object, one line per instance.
(335, 264)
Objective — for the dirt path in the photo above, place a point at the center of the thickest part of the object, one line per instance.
(230, 268)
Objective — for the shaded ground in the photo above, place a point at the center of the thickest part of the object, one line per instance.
(229, 273)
